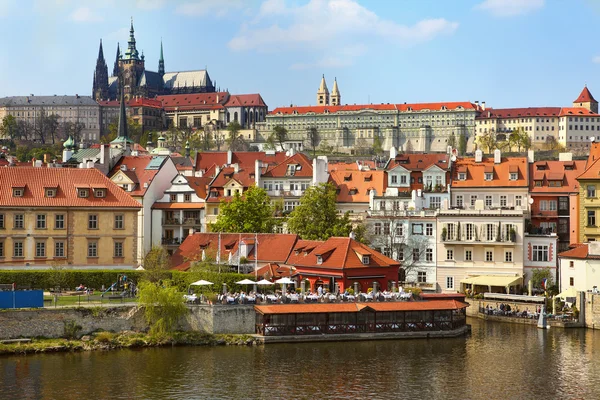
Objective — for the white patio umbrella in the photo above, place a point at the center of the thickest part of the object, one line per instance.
(284, 281)
(264, 282)
(201, 282)
(247, 282)
(140, 268)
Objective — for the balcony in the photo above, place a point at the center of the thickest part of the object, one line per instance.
(171, 221)
(493, 242)
(192, 221)
(402, 213)
(171, 241)
(536, 230)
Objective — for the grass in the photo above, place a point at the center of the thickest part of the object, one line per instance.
(83, 299)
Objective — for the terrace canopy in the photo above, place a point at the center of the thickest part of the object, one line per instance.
(492, 281)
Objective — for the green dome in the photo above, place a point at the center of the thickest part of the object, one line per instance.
(69, 143)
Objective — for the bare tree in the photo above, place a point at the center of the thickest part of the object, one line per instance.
(312, 139)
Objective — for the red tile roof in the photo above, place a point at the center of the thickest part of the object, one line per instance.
(351, 166)
(357, 307)
(501, 174)
(493, 113)
(281, 169)
(418, 162)
(196, 101)
(245, 100)
(67, 180)
(207, 161)
(585, 96)
(199, 184)
(359, 181)
(576, 111)
(556, 170)
(274, 271)
(580, 251)
(378, 107)
(137, 172)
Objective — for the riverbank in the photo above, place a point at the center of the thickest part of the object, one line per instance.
(106, 341)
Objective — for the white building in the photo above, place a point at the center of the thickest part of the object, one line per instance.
(580, 267)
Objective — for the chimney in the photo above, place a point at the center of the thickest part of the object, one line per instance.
(217, 170)
(33, 162)
(483, 105)
(46, 158)
(565, 156)
(530, 156)
(478, 156)
(497, 156)
(393, 152)
(236, 168)
(102, 154)
(229, 157)
(257, 168)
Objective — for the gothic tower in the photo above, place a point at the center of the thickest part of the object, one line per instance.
(131, 67)
(100, 86)
(116, 66)
(336, 97)
(161, 61)
(323, 93)
(586, 100)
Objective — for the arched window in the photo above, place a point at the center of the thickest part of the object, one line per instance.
(235, 116)
(228, 117)
(256, 116)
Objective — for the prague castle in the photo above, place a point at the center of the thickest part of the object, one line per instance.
(130, 75)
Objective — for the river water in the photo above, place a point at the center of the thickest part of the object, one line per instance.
(497, 361)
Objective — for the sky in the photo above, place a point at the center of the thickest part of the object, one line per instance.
(509, 53)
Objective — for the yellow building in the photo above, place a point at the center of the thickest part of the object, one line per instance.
(589, 197)
(75, 218)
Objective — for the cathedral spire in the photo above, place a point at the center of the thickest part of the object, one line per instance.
(100, 84)
(323, 93)
(336, 97)
(116, 66)
(100, 52)
(131, 52)
(161, 61)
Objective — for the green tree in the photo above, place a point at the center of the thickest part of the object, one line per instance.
(156, 264)
(134, 131)
(452, 141)
(462, 143)
(233, 135)
(9, 127)
(539, 274)
(163, 306)
(312, 139)
(316, 218)
(252, 212)
(205, 139)
(148, 136)
(377, 145)
(279, 136)
(487, 141)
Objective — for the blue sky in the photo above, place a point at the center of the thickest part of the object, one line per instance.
(510, 53)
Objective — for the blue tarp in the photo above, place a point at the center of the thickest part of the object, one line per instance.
(22, 299)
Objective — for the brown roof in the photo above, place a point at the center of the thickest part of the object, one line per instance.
(206, 161)
(67, 180)
(357, 181)
(476, 172)
(305, 169)
(453, 105)
(245, 100)
(448, 304)
(418, 162)
(494, 113)
(199, 184)
(196, 101)
(139, 171)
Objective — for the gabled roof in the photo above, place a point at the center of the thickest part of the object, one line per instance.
(303, 168)
(195, 101)
(501, 178)
(206, 161)
(140, 169)
(199, 184)
(186, 79)
(564, 171)
(577, 111)
(245, 100)
(359, 181)
(585, 96)
(67, 180)
(580, 251)
(418, 162)
(352, 166)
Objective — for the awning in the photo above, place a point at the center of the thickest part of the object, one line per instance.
(493, 280)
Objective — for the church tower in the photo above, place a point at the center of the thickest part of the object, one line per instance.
(161, 61)
(336, 97)
(586, 100)
(131, 67)
(100, 86)
(116, 66)
(323, 93)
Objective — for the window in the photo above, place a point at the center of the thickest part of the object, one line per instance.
(173, 198)
(591, 218)
(489, 176)
(187, 197)
(539, 253)
(518, 201)
(459, 201)
(17, 248)
(591, 191)
(435, 202)
(1, 249)
(1, 221)
(18, 192)
(319, 259)
(386, 251)
(462, 176)
(394, 179)
(513, 176)
(366, 259)
(421, 276)
(571, 281)
(93, 221)
(386, 228)
(377, 228)
(489, 255)
(401, 254)
(543, 205)
(490, 232)
(429, 255)
(59, 249)
(119, 221)
(429, 229)
(508, 256)
(473, 199)
(40, 249)
(470, 232)
(99, 193)
(59, 221)
(503, 201)
(450, 254)
(417, 229)
(449, 282)
(40, 221)
(118, 249)
(83, 193)
(416, 255)
(451, 231)
(92, 249)
(19, 221)
(552, 205)
(403, 179)
(563, 203)
(50, 192)
(571, 264)
(488, 201)
(468, 255)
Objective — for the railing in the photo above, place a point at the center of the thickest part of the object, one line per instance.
(402, 213)
(192, 221)
(534, 230)
(171, 221)
(171, 241)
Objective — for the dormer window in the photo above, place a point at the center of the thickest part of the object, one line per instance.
(319, 259)
(348, 177)
(368, 178)
(538, 183)
(18, 192)
(514, 176)
(489, 176)
(366, 259)
(352, 191)
(100, 193)
(50, 192)
(83, 193)
(555, 183)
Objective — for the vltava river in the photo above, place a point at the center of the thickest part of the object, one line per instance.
(498, 361)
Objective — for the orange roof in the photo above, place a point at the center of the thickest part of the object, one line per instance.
(359, 181)
(357, 307)
(139, 170)
(379, 107)
(35, 180)
(274, 271)
(206, 161)
(501, 175)
(337, 253)
(418, 162)
(199, 184)
(451, 105)
(585, 96)
(305, 169)
(178, 206)
(351, 166)
(568, 111)
(579, 251)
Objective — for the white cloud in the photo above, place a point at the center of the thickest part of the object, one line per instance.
(208, 7)
(84, 14)
(335, 28)
(510, 8)
(596, 60)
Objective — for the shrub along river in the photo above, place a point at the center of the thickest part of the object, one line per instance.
(497, 361)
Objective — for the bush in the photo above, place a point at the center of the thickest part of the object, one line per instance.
(47, 279)
(105, 337)
(71, 329)
(350, 291)
(163, 306)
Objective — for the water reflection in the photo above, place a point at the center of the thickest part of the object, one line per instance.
(496, 361)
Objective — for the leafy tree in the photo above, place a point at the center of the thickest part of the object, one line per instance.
(312, 139)
(205, 139)
(163, 306)
(9, 127)
(316, 218)
(462, 143)
(408, 148)
(72, 129)
(539, 274)
(249, 213)
(325, 147)
(279, 136)
(452, 141)
(377, 145)
(362, 147)
(233, 136)
(134, 131)
(157, 264)
(487, 141)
